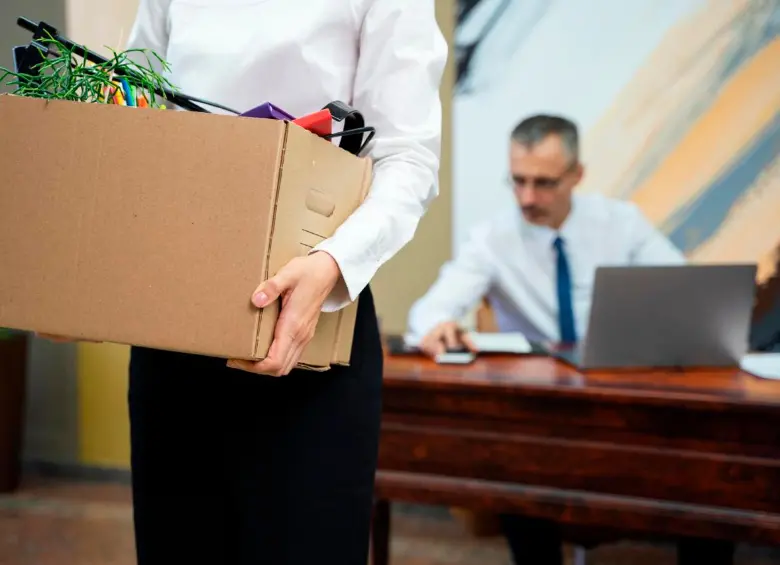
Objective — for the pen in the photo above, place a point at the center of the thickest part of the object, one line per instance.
(127, 91)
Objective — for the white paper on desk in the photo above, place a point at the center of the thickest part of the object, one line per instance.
(505, 342)
(764, 365)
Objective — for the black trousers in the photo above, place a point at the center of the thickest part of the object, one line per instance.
(234, 468)
(539, 542)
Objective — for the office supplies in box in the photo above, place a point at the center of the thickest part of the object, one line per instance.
(153, 228)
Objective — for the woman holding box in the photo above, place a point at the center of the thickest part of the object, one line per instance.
(231, 465)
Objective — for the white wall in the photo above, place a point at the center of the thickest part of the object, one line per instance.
(97, 23)
(562, 56)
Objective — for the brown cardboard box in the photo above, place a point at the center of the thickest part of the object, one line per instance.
(153, 227)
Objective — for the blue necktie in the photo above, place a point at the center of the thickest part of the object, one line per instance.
(565, 307)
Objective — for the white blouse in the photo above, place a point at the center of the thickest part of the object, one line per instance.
(384, 57)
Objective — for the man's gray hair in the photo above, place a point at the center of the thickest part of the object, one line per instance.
(534, 129)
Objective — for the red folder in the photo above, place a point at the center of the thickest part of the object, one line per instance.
(319, 123)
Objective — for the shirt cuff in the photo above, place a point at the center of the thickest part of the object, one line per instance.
(353, 280)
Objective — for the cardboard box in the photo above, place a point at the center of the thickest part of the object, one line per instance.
(154, 227)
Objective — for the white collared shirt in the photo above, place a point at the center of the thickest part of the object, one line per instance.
(513, 264)
(384, 57)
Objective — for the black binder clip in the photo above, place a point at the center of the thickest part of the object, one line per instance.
(352, 136)
(28, 57)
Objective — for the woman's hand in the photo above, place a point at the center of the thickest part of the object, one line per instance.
(303, 285)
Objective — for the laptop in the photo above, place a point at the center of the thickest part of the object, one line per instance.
(670, 316)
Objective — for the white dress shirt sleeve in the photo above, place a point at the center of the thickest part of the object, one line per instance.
(648, 245)
(150, 31)
(401, 62)
(461, 284)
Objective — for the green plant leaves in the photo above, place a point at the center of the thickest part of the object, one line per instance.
(65, 76)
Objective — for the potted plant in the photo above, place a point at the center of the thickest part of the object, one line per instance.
(13, 369)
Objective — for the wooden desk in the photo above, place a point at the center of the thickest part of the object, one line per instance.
(662, 453)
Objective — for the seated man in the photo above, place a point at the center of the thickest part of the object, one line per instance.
(536, 265)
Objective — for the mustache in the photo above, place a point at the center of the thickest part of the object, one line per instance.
(532, 210)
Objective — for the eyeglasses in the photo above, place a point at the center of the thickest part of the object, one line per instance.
(542, 182)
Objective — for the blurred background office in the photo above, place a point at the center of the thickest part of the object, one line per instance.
(678, 102)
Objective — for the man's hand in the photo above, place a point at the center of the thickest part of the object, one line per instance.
(303, 285)
(443, 337)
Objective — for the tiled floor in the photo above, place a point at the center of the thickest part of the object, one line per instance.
(56, 522)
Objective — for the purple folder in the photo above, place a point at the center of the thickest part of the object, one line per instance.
(268, 111)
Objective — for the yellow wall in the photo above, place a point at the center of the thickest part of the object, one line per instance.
(102, 368)
(104, 429)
